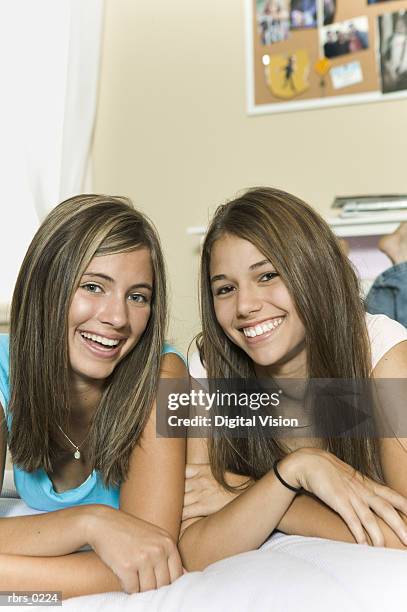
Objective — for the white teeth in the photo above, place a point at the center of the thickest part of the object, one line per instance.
(261, 328)
(100, 339)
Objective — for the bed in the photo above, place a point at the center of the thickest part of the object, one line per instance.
(287, 574)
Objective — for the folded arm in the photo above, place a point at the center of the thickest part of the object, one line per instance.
(349, 507)
(308, 516)
(76, 574)
(134, 547)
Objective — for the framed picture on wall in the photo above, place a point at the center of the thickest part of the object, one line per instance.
(304, 54)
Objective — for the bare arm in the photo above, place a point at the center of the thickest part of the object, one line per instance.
(242, 525)
(24, 541)
(76, 574)
(126, 550)
(154, 490)
(243, 522)
(41, 534)
(117, 538)
(307, 516)
(310, 517)
(353, 507)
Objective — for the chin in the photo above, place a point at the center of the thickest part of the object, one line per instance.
(264, 362)
(94, 373)
(264, 358)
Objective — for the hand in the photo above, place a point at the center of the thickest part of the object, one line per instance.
(203, 494)
(142, 555)
(359, 500)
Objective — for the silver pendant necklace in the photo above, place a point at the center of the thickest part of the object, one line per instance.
(77, 453)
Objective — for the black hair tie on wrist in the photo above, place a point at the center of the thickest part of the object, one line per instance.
(283, 482)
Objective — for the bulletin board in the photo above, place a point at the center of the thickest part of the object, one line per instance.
(304, 54)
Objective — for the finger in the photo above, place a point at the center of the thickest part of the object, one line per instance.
(193, 511)
(346, 511)
(147, 579)
(368, 521)
(162, 574)
(191, 470)
(175, 566)
(130, 583)
(387, 512)
(395, 499)
(189, 485)
(190, 498)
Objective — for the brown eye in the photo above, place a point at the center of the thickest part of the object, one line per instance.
(224, 290)
(268, 276)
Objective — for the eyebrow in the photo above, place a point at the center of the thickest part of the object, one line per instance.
(111, 280)
(254, 266)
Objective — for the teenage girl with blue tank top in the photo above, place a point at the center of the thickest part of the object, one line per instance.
(78, 378)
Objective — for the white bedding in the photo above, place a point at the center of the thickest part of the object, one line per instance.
(288, 574)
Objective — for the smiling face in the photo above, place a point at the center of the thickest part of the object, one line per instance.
(109, 313)
(254, 308)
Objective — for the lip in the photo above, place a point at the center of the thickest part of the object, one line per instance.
(254, 323)
(108, 336)
(99, 352)
(263, 337)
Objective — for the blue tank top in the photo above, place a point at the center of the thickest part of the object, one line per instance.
(36, 488)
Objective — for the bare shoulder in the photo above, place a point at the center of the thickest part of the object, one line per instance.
(393, 449)
(172, 366)
(393, 364)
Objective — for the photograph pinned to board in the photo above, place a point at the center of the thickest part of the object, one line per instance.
(303, 14)
(347, 31)
(393, 51)
(273, 20)
(346, 75)
(345, 37)
(287, 76)
(329, 7)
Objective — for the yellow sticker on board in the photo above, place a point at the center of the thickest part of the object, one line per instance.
(322, 66)
(287, 75)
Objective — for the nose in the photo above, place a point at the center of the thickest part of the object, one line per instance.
(114, 311)
(247, 302)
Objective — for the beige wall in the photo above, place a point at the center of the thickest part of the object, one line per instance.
(173, 134)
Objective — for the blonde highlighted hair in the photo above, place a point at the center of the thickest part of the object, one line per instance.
(73, 233)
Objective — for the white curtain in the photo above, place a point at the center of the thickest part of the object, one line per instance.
(49, 67)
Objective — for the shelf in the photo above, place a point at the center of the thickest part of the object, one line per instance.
(372, 225)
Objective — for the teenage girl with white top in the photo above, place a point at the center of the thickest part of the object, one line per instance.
(271, 265)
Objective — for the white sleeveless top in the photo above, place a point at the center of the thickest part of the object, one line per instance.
(384, 333)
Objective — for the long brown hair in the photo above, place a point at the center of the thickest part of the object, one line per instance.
(326, 295)
(72, 234)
